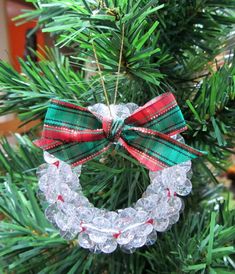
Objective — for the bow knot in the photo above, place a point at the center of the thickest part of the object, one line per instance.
(76, 135)
(113, 128)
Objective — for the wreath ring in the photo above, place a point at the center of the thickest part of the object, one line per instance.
(100, 230)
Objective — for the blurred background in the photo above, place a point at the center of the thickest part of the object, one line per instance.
(15, 42)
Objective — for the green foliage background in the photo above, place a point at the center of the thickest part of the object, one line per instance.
(168, 46)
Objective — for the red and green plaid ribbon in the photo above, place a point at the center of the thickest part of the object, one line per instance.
(76, 135)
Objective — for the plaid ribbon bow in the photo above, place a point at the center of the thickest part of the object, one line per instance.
(76, 135)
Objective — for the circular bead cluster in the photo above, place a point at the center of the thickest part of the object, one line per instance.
(100, 230)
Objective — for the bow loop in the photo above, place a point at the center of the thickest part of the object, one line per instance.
(161, 114)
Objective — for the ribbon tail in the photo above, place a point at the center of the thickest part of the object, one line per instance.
(47, 144)
(156, 150)
(149, 162)
(73, 153)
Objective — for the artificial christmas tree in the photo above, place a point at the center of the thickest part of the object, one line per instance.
(124, 51)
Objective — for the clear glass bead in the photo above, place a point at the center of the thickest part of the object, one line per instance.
(144, 229)
(159, 212)
(174, 205)
(85, 241)
(155, 188)
(173, 176)
(81, 201)
(174, 219)
(190, 174)
(125, 218)
(100, 109)
(65, 171)
(132, 107)
(127, 213)
(49, 158)
(51, 196)
(52, 172)
(62, 221)
(67, 208)
(76, 226)
(51, 211)
(121, 111)
(44, 183)
(138, 241)
(41, 197)
(67, 235)
(109, 246)
(141, 216)
(179, 138)
(111, 216)
(146, 204)
(155, 176)
(41, 170)
(64, 191)
(161, 225)
(85, 214)
(186, 166)
(74, 199)
(77, 170)
(129, 249)
(184, 188)
(151, 238)
(125, 237)
(97, 237)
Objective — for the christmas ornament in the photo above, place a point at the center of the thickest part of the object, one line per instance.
(73, 135)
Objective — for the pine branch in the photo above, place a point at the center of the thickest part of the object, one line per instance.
(28, 242)
(20, 160)
(204, 242)
(28, 93)
(186, 32)
(211, 116)
(188, 25)
(103, 27)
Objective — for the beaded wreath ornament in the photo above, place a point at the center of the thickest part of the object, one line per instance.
(74, 135)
